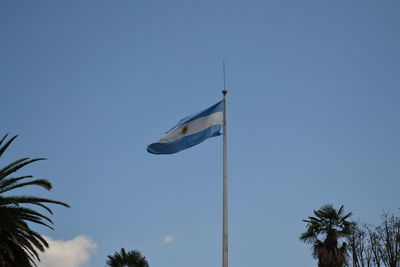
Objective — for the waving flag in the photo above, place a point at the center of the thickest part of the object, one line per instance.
(191, 131)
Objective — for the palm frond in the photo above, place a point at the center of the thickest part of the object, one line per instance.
(131, 259)
(15, 166)
(10, 185)
(330, 225)
(6, 145)
(19, 244)
(12, 164)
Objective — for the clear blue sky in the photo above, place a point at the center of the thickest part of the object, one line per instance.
(314, 93)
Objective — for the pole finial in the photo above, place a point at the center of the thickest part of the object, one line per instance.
(224, 91)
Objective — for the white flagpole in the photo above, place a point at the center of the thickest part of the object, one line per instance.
(225, 187)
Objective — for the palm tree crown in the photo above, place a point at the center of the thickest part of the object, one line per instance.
(131, 258)
(331, 225)
(18, 243)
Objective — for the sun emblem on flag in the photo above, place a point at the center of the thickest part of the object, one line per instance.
(185, 130)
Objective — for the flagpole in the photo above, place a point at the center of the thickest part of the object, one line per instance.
(225, 186)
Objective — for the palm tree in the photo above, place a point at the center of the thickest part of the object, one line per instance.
(331, 224)
(131, 259)
(19, 244)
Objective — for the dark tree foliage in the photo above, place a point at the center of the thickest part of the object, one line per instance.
(131, 258)
(330, 225)
(376, 246)
(19, 244)
(361, 254)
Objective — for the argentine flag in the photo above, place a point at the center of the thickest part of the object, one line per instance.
(191, 131)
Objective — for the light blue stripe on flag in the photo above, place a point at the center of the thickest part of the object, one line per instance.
(190, 131)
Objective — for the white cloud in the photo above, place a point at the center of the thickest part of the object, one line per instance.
(168, 239)
(67, 253)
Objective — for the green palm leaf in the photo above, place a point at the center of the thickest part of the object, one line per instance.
(330, 225)
(19, 245)
(129, 259)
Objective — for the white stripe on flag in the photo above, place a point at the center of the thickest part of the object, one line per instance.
(192, 127)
